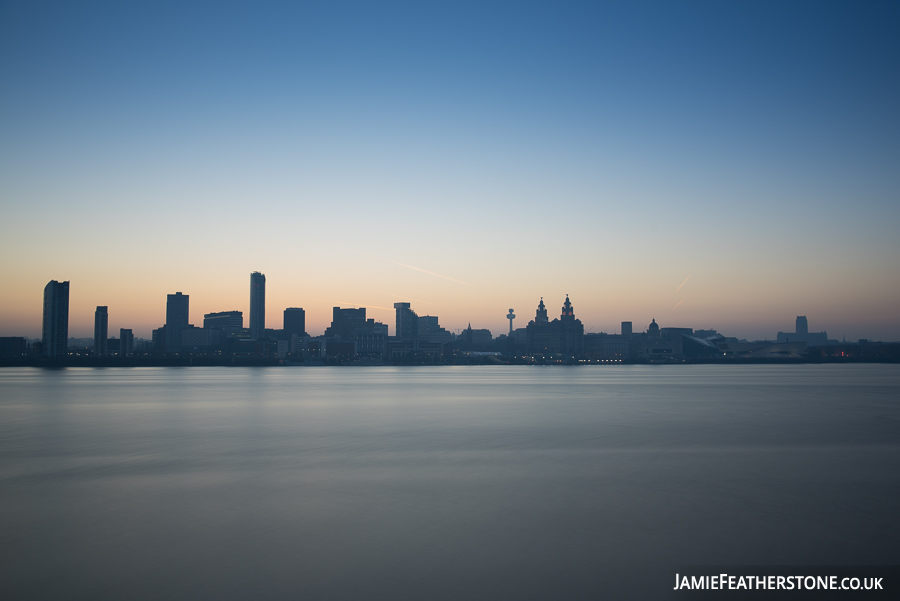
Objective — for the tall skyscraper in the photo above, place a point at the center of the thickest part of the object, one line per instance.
(294, 321)
(101, 331)
(177, 311)
(126, 342)
(802, 326)
(626, 329)
(257, 305)
(55, 332)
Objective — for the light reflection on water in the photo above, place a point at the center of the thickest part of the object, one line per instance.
(438, 483)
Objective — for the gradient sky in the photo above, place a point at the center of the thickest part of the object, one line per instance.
(607, 151)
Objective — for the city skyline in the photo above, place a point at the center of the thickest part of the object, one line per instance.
(293, 319)
(729, 167)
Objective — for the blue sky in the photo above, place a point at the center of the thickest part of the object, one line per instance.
(532, 149)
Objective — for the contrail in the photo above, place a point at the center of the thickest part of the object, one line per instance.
(418, 300)
(362, 305)
(431, 273)
(683, 283)
(679, 302)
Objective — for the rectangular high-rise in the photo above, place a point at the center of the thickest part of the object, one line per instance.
(407, 324)
(257, 305)
(55, 332)
(126, 342)
(101, 330)
(294, 321)
(177, 310)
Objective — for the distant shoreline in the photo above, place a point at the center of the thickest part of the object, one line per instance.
(247, 362)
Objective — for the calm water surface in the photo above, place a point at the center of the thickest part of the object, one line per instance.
(438, 483)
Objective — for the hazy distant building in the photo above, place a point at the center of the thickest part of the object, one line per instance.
(126, 342)
(55, 331)
(802, 334)
(224, 320)
(294, 322)
(626, 330)
(101, 331)
(257, 304)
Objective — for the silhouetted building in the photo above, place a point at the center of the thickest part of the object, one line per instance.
(802, 334)
(371, 338)
(299, 344)
(351, 334)
(707, 334)
(340, 350)
(407, 327)
(474, 340)
(126, 342)
(653, 330)
(177, 318)
(344, 322)
(13, 346)
(55, 331)
(257, 304)
(568, 332)
(158, 339)
(430, 330)
(101, 331)
(177, 310)
(731, 349)
(520, 340)
(610, 347)
(223, 320)
(537, 332)
(673, 333)
(199, 338)
(294, 322)
(563, 336)
(413, 351)
(626, 330)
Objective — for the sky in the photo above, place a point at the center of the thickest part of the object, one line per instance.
(705, 164)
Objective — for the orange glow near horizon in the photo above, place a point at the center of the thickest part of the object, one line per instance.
(745, 308)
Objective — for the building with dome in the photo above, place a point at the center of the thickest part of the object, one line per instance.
(653, 330)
